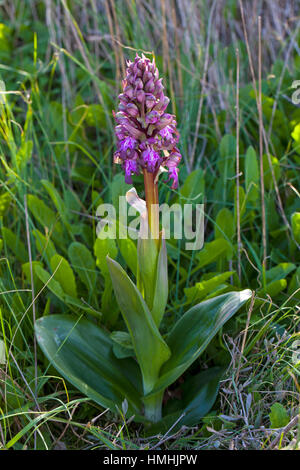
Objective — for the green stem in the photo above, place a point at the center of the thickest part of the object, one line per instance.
(153, 407)
(151, 194)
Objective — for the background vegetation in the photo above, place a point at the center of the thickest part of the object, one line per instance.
(229, 75)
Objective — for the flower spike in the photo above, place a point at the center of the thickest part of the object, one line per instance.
(146, 135)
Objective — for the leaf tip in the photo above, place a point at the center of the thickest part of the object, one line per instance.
(245, 295)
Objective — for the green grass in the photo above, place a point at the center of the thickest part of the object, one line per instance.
(61, 65)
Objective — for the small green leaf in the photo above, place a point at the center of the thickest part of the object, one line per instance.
(251, 175)
(2, 352)
(36, 280)
(5, 198)
(192, 190)
(268, 179)
(118, 188)
(52, 284)
(44, 245)
(273, 288)
(122, 338)
(226, 166)
(102, 248)
(294, 285)
(203, 288)
(129, 252)
(46, 217)
(15, 244)
(83, 263)
(64, 274)
(280, 271)
(224, 226)
(296, 226)
(96, 116)
(213, 251)
(57, 201)
(242, 202)
(278, 416)
(122, 346)
(24, 153)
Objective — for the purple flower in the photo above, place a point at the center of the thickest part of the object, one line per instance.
(127, 143)
(146, 135)
(151, 160)
(130, 166)
(173, 175)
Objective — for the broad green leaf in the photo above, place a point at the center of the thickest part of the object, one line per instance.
(278, 416)
(279, 272)
(83, 263)
(161, 285)
(213, 251)
(224, 225)
(251, 175)
(193, 332)
(198, 395)
(296, 226)
(151, 350)
(64, 274)
(82, 352)
(273, 288)
(15, 244)
(203, 288)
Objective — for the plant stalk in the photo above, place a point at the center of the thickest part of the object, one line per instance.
(153, 407)
(151, 195)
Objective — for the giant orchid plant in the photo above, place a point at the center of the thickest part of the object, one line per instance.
(84, 352)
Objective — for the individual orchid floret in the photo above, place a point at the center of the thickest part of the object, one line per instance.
(146, 135)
